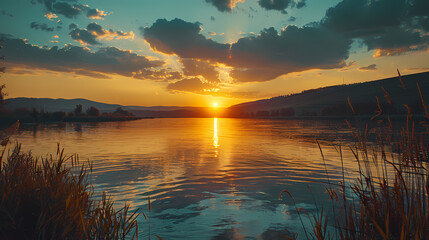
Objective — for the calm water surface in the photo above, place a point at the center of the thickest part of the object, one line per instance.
(207, 178)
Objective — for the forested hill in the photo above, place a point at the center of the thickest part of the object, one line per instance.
(333, 100)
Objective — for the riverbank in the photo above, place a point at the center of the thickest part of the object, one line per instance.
(6, 121)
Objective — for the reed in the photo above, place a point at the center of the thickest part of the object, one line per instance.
(389, 199)
(44, 199)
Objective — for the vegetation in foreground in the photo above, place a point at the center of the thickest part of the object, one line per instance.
(390, 198)
(44, 199)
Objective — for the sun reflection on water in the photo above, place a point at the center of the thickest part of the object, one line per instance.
(215, 137)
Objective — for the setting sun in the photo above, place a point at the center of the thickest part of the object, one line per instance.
(215, 104)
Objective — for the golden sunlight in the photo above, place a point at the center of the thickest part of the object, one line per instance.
(215, 104)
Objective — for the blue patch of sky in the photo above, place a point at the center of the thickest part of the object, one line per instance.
(129, 15)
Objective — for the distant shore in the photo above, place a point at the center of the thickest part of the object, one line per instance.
(6, 121)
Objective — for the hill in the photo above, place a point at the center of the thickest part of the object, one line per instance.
(326, 101)
(333, 100)
(68, 105)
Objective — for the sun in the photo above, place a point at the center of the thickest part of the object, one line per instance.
(215, 104)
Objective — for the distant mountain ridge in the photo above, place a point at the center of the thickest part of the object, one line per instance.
(312, 102)
(68, 105)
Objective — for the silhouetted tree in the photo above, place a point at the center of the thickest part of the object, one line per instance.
(287, 112)
(78, 110)
(275, 113)
(58, 116)
(122, 112)
(262, 113)
(93, 112)
(35, 113)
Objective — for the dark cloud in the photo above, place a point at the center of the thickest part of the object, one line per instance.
(255, 74)
(193, 67)
(212, 18)
(71, 10)
(224, 5)
(191, 85)
(424, 23)
(280, 5)
(390, 27)
(43, 27)
(84, 37)
(78, 60)
(397, 41)
(254, 58)
(66, 9)
(184, 39)
(93, 13)
(419, 8)
(275, 4)
(94, 31)
(72, 26)
(292, 19)
(360, 18)
(370, 67)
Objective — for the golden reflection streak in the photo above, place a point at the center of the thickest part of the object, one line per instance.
(215, 137)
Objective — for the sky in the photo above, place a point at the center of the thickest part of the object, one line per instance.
(197, 52)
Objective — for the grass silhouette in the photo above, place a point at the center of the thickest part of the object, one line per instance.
(44, 199)
(389, 198)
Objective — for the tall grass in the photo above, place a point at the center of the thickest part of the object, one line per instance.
(390, 197)
(45, 199)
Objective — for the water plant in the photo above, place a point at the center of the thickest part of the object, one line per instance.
(390, 197)
(43, 198)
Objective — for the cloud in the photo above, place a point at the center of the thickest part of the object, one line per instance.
(225, 5)
(51, 16)
(72, 26)
(193, 67)
(416, 69)
(275, 4)
(389, 27)
(280, 5)
(163, 75)
(95, 14)
(84, 37)
(74, 59)
(71, 11)
(184, 39)
(261, 57)
(194, 85)
(370, 67)
(93, 32)
(396, 42)
(292, 19)
(360, 18)
(43, 27)
(66, 9)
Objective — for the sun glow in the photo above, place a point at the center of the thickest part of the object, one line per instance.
(215, 104)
